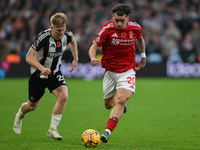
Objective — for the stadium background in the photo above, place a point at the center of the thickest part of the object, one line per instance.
(163, 114)
(171, 30)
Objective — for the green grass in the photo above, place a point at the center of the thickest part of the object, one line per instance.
(163, 114)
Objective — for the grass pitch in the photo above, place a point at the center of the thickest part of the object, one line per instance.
(163, 114)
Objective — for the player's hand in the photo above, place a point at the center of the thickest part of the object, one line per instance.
(46, 71)
(74, 64)
(141, 64)
(94, 61)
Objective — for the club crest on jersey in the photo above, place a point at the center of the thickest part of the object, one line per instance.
(64, 44)
(131, 34)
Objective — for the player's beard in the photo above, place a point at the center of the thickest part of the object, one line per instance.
(119, 27)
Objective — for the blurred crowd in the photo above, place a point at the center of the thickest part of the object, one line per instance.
(171, 28)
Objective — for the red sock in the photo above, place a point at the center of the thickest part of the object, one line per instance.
(112, 123)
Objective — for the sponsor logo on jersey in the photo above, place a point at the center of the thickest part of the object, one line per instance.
(116, 41)
(55, 54)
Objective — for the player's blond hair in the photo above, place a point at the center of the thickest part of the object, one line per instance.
(58, 20)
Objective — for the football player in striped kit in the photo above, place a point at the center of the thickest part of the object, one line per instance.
(44, 57)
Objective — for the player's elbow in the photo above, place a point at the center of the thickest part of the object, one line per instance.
(28, 59)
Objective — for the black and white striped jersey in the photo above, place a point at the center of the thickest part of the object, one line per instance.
(50, 51)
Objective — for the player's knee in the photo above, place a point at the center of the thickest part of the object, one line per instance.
(32, 107)
(63, 98)
(121, 100)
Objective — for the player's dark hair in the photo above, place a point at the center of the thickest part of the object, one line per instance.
(122, 9)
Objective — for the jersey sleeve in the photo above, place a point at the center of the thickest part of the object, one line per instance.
(101, 37)
(69, 35)
(139, 32)
(39, 41)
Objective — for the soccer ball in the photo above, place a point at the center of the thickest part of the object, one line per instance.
(90, 138)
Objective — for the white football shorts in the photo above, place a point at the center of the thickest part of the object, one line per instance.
(113, 81)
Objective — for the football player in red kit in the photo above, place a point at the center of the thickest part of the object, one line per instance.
(117, 39)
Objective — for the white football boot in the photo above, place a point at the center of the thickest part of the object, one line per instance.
(53, 134)
(17, 127)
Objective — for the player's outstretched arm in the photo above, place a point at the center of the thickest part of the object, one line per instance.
(92, 54)
(141, 46)
(74, 50)
(30, 59)
(141, 64)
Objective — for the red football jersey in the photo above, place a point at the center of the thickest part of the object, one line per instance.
(118, 46)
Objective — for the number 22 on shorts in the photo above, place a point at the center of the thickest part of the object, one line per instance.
(131, 80)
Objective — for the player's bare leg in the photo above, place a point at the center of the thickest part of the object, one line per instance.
(111, 102)
(61, 94)
(122, 96)
(23, 110)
